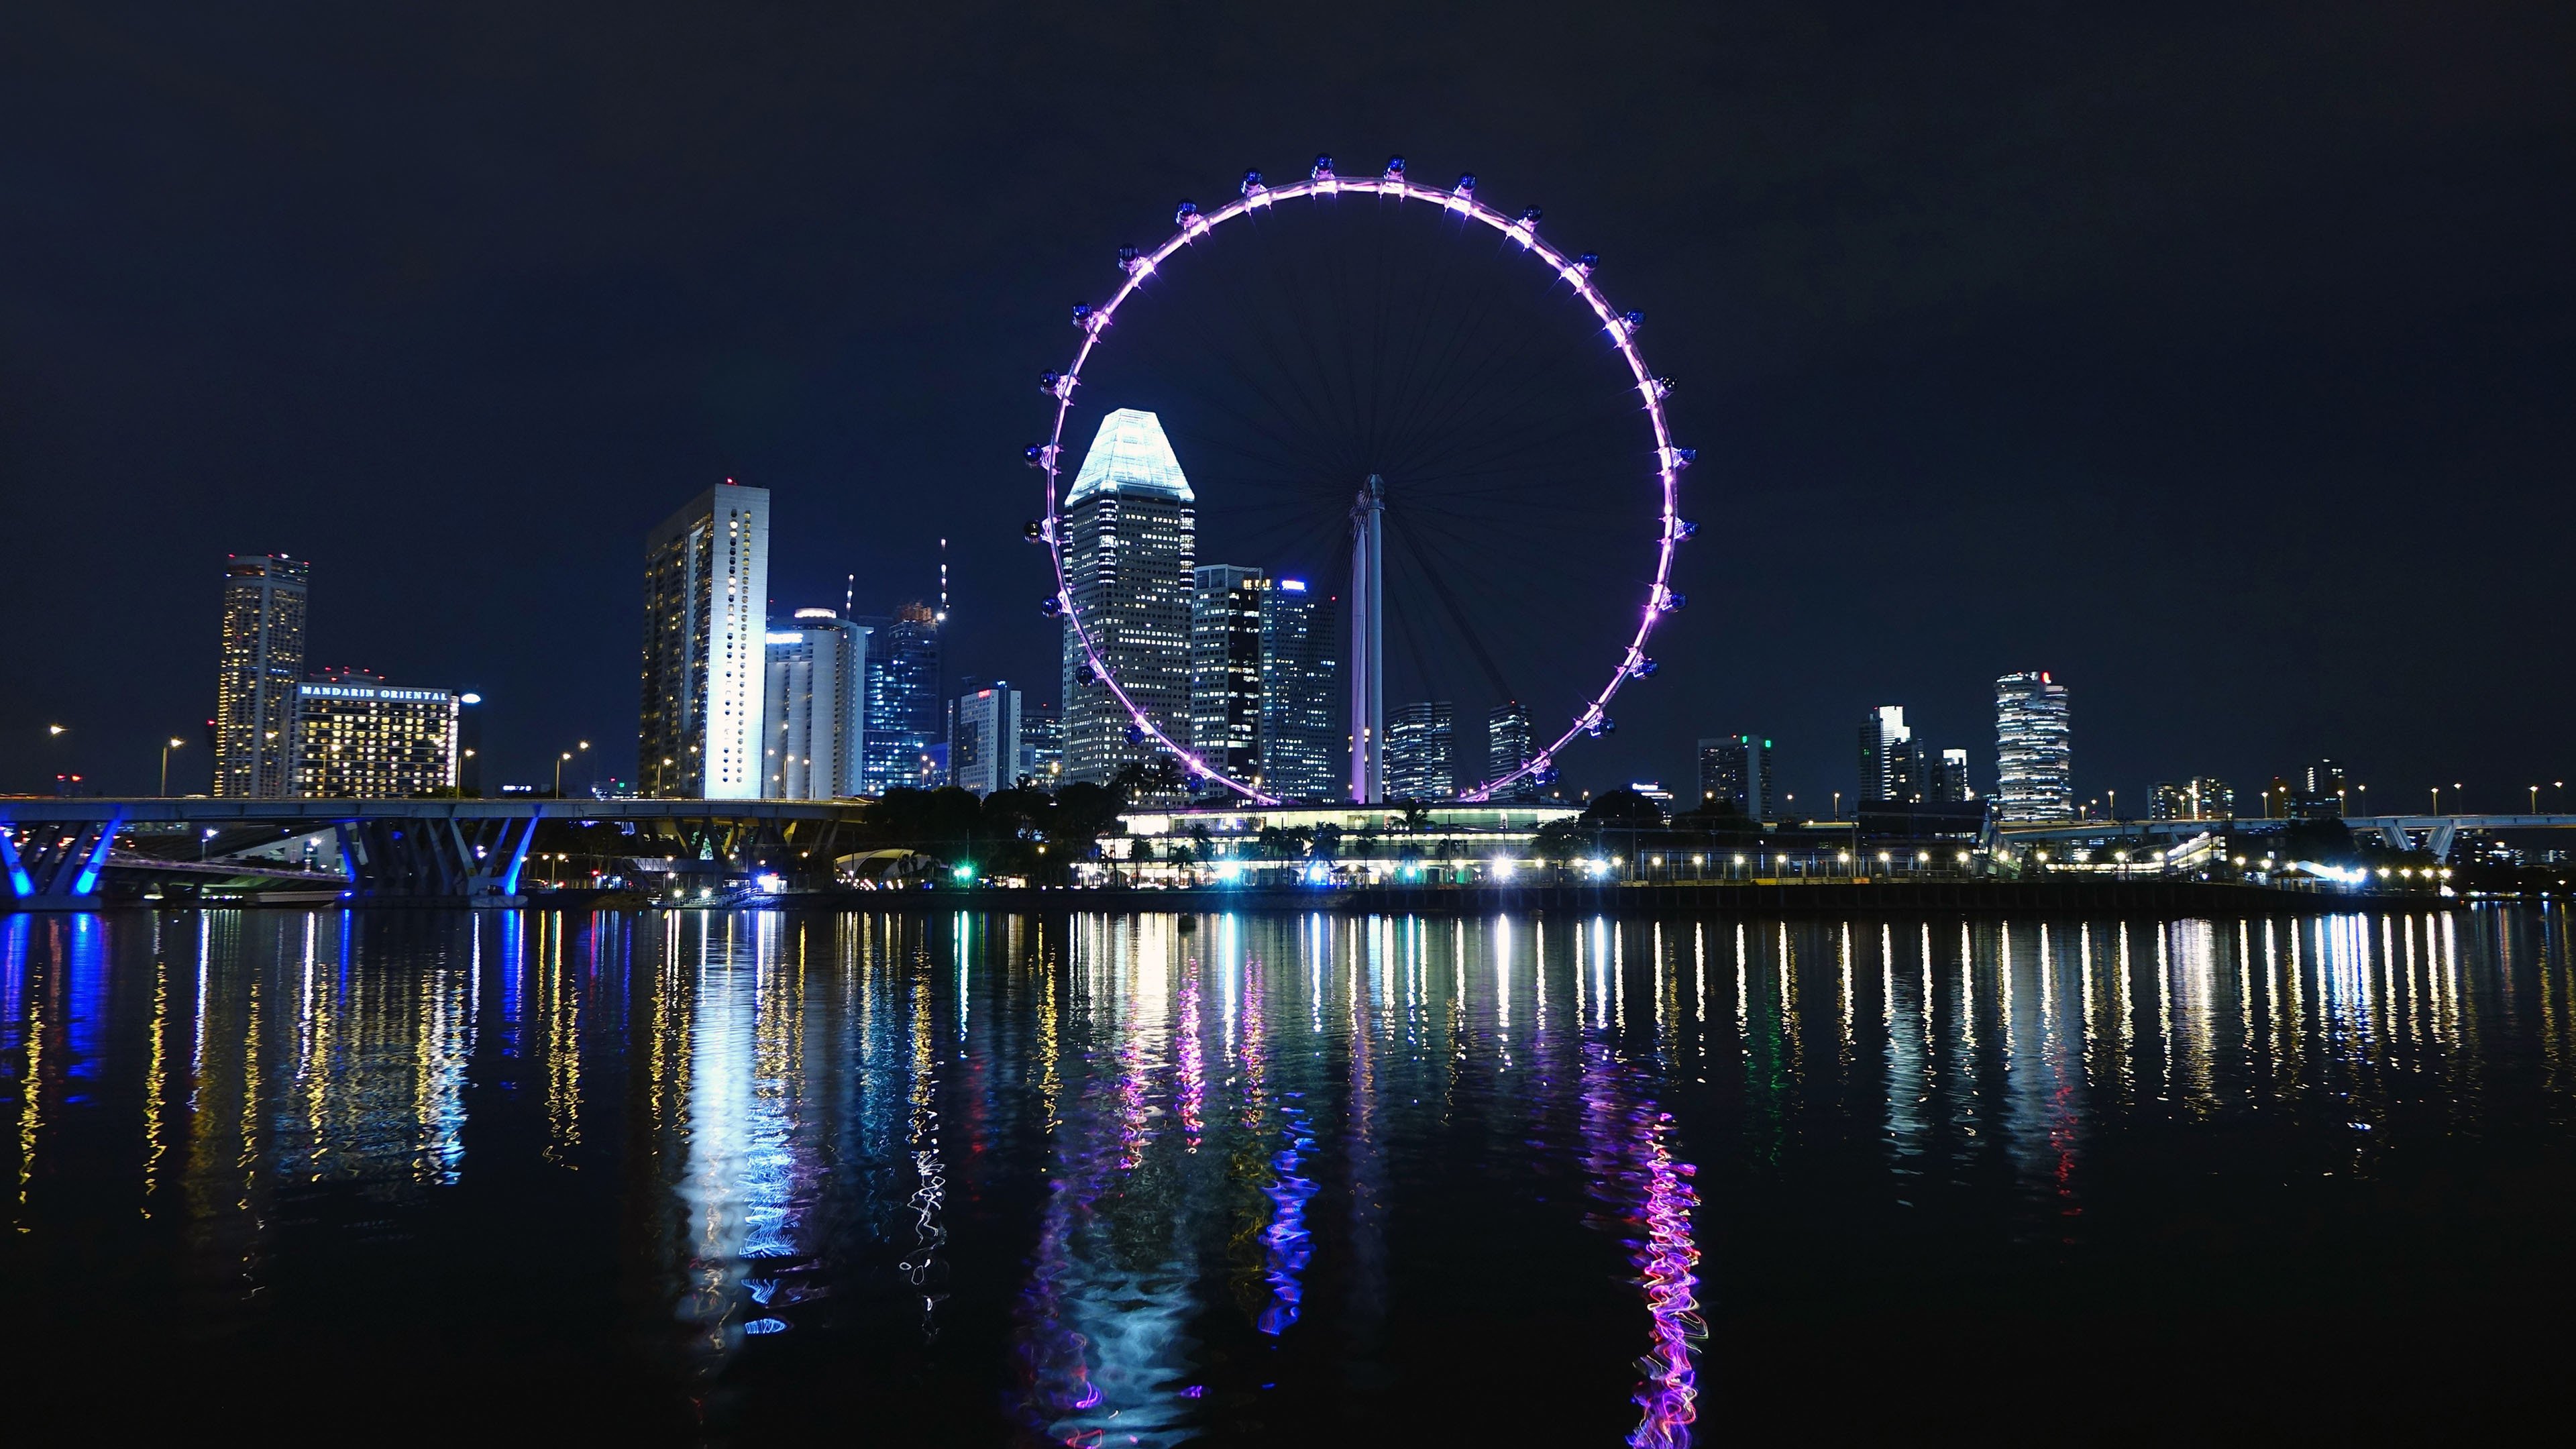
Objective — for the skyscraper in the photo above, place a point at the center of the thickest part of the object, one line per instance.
(2034, 749)
(1949, 781)
(815, 708)
(1507, 748)
(1131, 526)
(706, 606)
(1225, 667)
(1418, 761)
(1735, 775)
(1042, 744)
(359, 738)
(1887, 767)
(1300, 739)
(263, 658)
(984, 740)
(906, 719)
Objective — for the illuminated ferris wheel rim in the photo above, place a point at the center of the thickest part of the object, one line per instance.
(1522, 230)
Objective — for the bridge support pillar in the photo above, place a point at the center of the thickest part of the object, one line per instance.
(55, 867)
(476, 862)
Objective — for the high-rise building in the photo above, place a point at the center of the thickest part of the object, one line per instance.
(1131, 536)
(1507, 749)
(1300, 738)
(1887, 756)
(263, 659)
(359, 738)
(816, 707)
(2320, 792)
(469, 746)
(2034, 749)
(1948, 782)
(1225, 667)
(1042, 744)
(903, 739)
(985, 753)
(1735, 775)
(2200, 798)
(706, 615)
(1418, 760)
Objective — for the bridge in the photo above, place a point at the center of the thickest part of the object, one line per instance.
(2399, 832)
(56, 851)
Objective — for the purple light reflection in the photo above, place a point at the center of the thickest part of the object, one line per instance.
(1629, 1154)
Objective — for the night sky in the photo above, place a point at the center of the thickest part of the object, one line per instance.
(2214, 358)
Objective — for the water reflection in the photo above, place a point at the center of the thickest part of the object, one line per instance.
(1160, 1176)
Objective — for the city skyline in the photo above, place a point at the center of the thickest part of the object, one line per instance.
(2029, 402)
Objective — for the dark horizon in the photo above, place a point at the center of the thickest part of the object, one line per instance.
(2215, 363)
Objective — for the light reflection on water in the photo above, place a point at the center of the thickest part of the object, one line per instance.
(1139, 1178)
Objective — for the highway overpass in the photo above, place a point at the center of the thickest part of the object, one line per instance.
(56, 851)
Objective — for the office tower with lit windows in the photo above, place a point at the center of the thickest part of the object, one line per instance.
(1302, 739)
(706, 618)
(2034, 750)
(1042, 744)
(985, 751)
(1225, 667)
(359, 738)
(1947, 779)
(1418, 761)
(1131, 539)
(1507, 748)
(1735, 776)
(263, 661)
(905, 732)
(2200, 798)
(2320, 793)
(1888, 767)
(815, 707)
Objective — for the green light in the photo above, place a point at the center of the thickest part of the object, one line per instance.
(964, 872)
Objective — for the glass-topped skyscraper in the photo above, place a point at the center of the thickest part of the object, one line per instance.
(263, 660)
(1302, 743)
(2034, 749)
(1225, 667)
(1131, 536)
(906, 718)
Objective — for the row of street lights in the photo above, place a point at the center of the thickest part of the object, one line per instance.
(57, 731)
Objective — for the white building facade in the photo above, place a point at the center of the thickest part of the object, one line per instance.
(706, 605)
(815, 707)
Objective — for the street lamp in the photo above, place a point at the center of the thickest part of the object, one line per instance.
(559, 764)
(165, 765)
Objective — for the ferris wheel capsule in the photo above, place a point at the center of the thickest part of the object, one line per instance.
(1252, 183)
(1642, 668)
(1670, 600)
(1466, 188)
(1052, 606)
(1084, 674)
(1545, 774)
(1683, 528)
(1040, 455)
(1587, 262)
(1395, 168)
(1135, 734)
(1682, 457)
(1323, 169)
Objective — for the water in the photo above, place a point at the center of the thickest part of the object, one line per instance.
(1280, 1179)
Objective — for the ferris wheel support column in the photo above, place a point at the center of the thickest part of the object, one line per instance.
(1368, 644)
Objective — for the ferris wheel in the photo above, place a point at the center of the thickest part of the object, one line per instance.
(1349, 401)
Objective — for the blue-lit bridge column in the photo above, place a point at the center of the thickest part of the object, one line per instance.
(54, 866)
